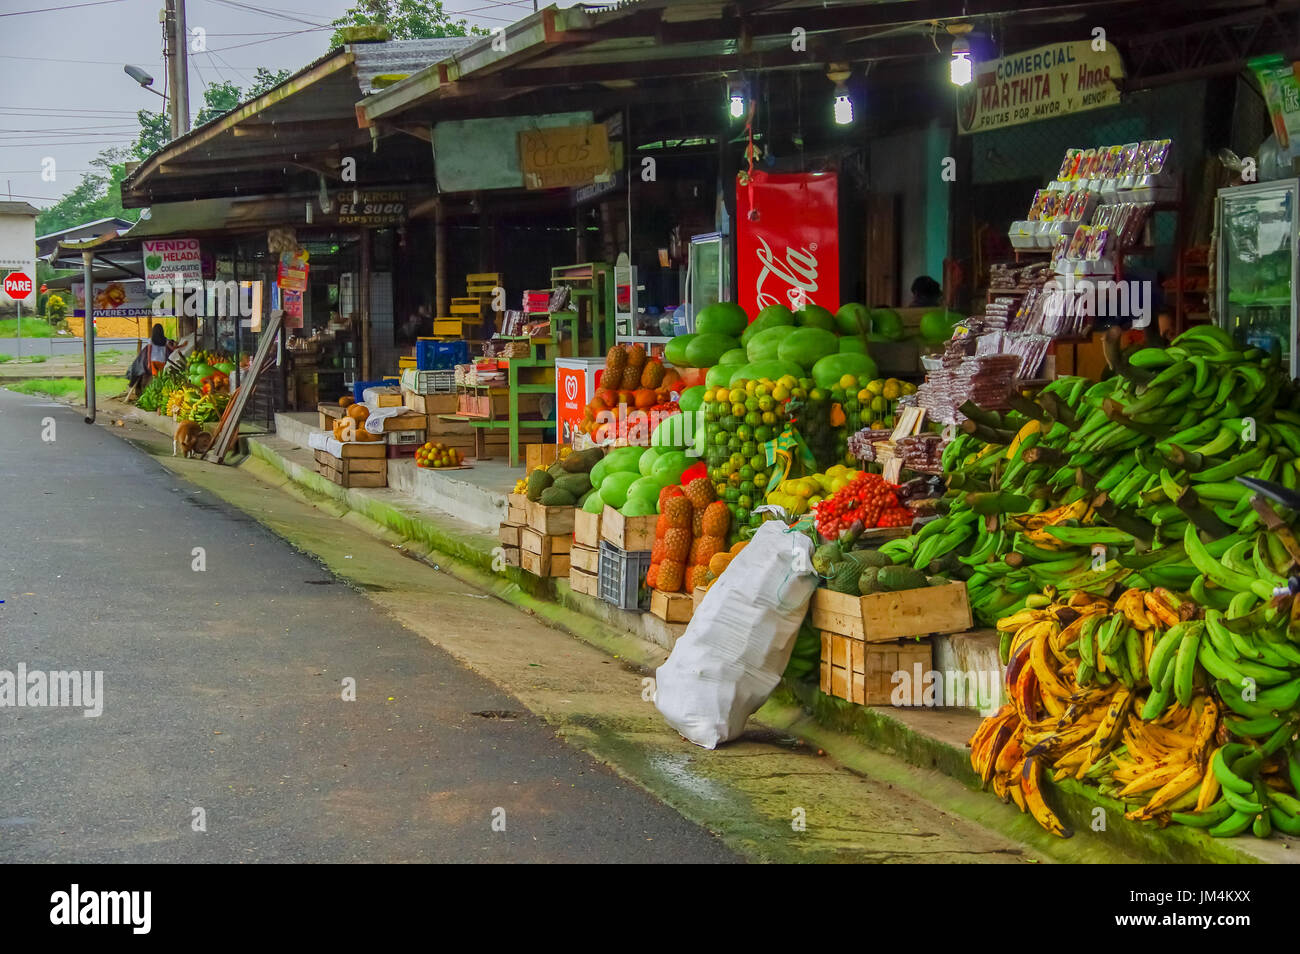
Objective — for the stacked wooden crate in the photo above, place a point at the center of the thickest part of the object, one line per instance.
(545, 540)
(361, 464)
(512, 528)
(867, 641)
(584, 555)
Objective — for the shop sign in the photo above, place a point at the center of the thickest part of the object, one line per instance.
(1042, 83)
(1277, 78)
(788, 253)
(291, 274)
(564, 156)
(166, 259)
(126, 299)
(371, 209)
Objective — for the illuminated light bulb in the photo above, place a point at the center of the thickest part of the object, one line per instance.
(843, 108)
(737, 105)
(961, 69)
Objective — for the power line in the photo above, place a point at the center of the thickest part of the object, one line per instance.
(281, 36)
(268, 12)
(69, 6)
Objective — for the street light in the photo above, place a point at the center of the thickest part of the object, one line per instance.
(141, 77)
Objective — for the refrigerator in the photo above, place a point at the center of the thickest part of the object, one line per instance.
(708, 274)
(1256, 266)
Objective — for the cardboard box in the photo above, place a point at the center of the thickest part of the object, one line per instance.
(671, 607)
(881, 617)
(509, 534)
(551, 520)
(586, 529)
(628, 533)
(580, 581)
(583, 558)
(866, 673)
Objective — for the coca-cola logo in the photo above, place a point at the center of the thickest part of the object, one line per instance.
(798, 271)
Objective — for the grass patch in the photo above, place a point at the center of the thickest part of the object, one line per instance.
(39, 358)
(5, 357)
(32, 328)
(69, 387)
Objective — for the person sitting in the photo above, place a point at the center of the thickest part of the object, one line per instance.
(926, 293)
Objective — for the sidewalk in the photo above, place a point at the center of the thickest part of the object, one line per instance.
(913, 748)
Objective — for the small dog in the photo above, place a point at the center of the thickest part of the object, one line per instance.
(190, 438)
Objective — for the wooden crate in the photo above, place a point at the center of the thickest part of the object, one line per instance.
(389, 395)
(509, 534)
(864, 673)
(429, 404)
(671, 607)
(406, 421)
(448, 328)
(580, 581)
(697, 597)
(550, 520)
(556, 564)
(541, 455)
(586, 529)
(353, 471)
(881, 617)
(517, 509)
(628, 533)
(584, 558)
(512, 556)
(530, 541)
(329, 413)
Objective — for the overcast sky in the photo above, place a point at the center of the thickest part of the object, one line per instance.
(65, 95)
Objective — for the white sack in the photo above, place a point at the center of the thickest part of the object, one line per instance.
(739, 641)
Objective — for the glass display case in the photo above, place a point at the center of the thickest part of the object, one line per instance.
(1256, 288)
(708, 274)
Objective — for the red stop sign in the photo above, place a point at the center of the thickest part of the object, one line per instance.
(18, 285)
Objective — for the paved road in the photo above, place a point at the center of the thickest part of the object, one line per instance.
(222, 692)
(62, 344)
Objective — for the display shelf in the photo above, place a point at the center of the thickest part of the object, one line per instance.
(595, 298)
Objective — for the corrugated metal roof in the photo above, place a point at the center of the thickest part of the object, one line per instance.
(401, 58)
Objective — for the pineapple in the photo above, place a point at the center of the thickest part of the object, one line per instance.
(616, 361)
(671, 576)
(636, 356)
(697, 523)
(700, 492)
(678, 512)
(677, 546)
(652, 375)
(652, 576)
(717, 519)
(696, 576)
(704, 549)
(631, 378)
(657, 551)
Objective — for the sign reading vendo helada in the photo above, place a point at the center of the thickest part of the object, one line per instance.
(168, 259)
(788, 253)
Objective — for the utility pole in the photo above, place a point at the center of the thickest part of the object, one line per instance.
(178, 70)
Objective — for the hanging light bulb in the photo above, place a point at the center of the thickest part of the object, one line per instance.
(838, 73)
(961, 69)
(736, 97)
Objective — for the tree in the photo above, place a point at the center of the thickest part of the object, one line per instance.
(97, 196)
(264, 79)
(155, 132)
(405, 19)
(218, 98)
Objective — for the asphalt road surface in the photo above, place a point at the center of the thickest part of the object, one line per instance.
(223, 695)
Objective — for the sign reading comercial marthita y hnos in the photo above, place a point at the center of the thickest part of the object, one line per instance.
(1042, 83)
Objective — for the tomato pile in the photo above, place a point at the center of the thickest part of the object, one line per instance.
(868, 498)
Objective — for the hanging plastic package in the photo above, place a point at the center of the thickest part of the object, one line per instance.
(739, 641)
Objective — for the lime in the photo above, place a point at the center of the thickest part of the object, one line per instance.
(758, 462)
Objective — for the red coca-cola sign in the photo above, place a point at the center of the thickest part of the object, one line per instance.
(788, 251)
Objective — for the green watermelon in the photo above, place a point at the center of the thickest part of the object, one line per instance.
(613, 489)
(852, 344)
(770, 317)
(887, 324)
(648, 486)
(692, 399)
(624, 459)
(734, 356)
(670, 468)
(764, 345)
(675, 350)
(937, 325)
(814, 316)
(647, 460)
(853, 319)
(594, 503)
(722, 318)
(639, 507)
(719, 374)
(676, 432)
(705, 350)
(828, 371)
(806, 346)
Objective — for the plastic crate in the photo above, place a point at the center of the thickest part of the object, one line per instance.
(440, 355)
(622, 577)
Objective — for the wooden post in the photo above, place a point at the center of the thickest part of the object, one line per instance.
(363, 307)
(441, 308)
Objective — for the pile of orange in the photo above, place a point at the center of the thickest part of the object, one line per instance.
(438, 455)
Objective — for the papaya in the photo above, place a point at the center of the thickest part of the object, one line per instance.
(770, 317)
(853, 319)
(806, 346)
(705, 350)
(721, 318)
(764, 345)
(734, 356)
(814, 316)
(675, 350)
(613, 489)
(692, 399)
(831, 368)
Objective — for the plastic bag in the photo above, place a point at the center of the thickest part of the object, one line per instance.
(739, 641)
(139, 366)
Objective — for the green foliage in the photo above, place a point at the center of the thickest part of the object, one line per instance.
(218, 98)
(405, 19)
(97, 196)
(264, 79)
